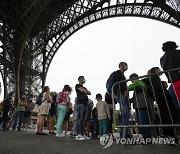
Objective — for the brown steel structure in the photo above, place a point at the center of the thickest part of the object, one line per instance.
(31, 32)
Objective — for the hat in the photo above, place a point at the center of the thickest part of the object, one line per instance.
(169, 45)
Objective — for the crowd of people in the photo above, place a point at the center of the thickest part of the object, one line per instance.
(150, 90)
(90, 121)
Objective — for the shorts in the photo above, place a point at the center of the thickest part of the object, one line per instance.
(52, 113)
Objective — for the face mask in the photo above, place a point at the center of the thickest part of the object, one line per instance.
(125, 68)
(83, 81)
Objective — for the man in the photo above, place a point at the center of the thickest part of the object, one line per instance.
(171, 60)
(121, 93)
(6, 108)
(82, 100)
(20, 110)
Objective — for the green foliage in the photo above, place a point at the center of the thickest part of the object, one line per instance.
(52, 93)
(117, 115)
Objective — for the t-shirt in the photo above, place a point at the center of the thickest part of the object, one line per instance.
(21, 107)
(82, 98)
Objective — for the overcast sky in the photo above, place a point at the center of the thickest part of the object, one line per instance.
(96, 50)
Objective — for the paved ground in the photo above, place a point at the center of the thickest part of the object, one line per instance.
(29, 143)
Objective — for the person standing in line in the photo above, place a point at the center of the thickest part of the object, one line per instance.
(43, 110)
(6, 109)
(82, 100)
(122, 97)
(52, 115)
(28, 115)
(103, 114)
(141, 103)
(171, 60)
(63, 101)
(168, 112)
(20, 110)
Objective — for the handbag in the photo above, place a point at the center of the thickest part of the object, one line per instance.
(36, 108)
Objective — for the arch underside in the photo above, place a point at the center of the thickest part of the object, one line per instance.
(41, 46)
(131, 10)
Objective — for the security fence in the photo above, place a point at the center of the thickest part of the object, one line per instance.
(149, 106)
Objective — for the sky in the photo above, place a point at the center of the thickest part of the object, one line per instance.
(96, 50)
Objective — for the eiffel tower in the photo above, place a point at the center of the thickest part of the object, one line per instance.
(32, 31)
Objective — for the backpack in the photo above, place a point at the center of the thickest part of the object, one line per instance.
(110, 82)
(60, 97)
(39, 99)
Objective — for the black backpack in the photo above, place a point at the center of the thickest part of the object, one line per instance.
(39, 99)
(110, 82)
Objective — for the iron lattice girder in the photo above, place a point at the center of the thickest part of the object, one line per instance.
(42, 38)
(83, 8)
(61, 29)
(17, 24)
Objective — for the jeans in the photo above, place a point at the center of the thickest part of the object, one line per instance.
(4, 119)
(81, 112)
(18, 118)
(103, 123)
(124, 113)
(61, 115)
(143, 119)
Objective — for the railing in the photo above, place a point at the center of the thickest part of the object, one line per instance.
(156, 107)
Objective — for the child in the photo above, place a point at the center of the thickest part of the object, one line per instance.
(142, 104)
(103, 114)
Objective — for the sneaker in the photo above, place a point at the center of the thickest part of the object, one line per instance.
(90, 135)
(37, 133)
(60, 135)
(80, 138)
(64, 133)
(43, 134)
(86, 137)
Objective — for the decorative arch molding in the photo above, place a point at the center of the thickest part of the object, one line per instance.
(149, 11)
(33, 31)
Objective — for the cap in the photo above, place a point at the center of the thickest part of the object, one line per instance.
(169, 45)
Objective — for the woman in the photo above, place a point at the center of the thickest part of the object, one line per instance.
(43, 110)
(52, 115)
(63, 101)
(20, 110)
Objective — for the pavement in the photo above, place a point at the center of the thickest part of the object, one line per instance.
(29, 143)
